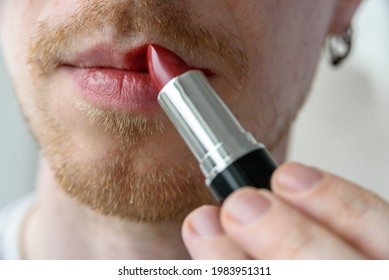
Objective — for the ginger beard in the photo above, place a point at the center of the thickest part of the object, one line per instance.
(131, 166)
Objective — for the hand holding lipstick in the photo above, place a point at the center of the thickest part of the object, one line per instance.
(310, 215)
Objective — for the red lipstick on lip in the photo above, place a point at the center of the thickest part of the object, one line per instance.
(229, 156)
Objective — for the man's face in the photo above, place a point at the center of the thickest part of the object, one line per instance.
(78, 69)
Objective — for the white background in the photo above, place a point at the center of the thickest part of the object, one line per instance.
(344, 126)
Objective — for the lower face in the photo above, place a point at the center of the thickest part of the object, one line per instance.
(78, 69)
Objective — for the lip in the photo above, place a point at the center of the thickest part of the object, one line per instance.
(114, 80)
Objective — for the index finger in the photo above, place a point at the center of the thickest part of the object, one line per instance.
(359, 216)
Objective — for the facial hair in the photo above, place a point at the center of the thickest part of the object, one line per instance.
(109, 181)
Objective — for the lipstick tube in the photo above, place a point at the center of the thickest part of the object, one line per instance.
(229, 157)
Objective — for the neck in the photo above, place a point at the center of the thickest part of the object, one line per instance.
(61, 228)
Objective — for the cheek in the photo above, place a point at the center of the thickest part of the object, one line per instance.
(17, 25)
(19, 22)
(282, 40)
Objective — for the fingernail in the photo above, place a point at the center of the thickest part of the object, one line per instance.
(206, 223)
(247, 206)
(297, 177)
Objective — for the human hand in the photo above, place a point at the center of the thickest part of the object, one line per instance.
(309, 215)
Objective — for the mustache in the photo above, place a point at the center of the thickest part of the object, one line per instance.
(166, 20)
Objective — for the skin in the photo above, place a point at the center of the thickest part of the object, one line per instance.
(124, 190)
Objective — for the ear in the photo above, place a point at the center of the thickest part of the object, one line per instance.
(344, 12)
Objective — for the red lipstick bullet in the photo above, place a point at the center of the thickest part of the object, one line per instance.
(164, 65)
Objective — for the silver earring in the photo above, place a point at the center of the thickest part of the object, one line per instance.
(340, 47)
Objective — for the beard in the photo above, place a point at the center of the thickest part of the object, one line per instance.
(121, 176)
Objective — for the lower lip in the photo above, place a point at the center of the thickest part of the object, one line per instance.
(114, 89)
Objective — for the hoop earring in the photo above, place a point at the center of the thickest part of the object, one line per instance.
(340, 47)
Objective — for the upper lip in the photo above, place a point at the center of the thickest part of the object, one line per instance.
(106, 56)
(103, 56)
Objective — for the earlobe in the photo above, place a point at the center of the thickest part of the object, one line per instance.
(344, 12)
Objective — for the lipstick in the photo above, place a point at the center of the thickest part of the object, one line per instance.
(229, 156)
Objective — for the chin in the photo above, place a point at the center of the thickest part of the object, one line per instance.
(143, 181)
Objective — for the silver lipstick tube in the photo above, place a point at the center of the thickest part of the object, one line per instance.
(211, 131)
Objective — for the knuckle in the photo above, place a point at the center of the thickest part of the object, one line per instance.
(287, 235)
(355, 202)
(298, 242)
